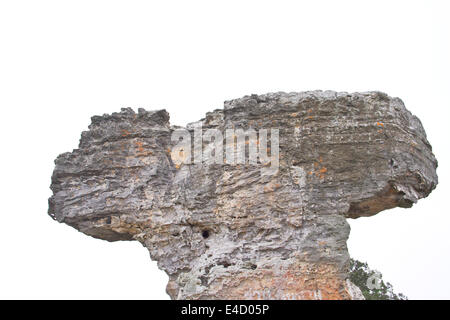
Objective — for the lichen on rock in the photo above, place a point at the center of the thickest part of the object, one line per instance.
(224, 231)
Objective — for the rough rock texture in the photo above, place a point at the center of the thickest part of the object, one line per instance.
(231, 231)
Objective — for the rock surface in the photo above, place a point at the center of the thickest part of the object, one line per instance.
(225, 231)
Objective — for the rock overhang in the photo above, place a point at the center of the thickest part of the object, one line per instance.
(341, 156)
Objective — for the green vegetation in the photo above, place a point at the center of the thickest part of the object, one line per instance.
(371, 283)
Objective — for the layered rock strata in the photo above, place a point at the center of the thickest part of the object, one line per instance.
(241, 231)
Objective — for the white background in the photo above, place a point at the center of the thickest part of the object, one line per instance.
(62, 62)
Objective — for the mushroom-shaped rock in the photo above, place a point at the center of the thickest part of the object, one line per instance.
(265, 227)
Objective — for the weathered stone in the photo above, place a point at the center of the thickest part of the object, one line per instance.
(224, 231)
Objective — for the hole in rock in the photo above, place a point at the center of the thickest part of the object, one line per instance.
(205, 234)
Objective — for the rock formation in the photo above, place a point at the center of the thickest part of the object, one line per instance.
(235, 231)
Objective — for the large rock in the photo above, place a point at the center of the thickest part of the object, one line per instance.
(225, 231)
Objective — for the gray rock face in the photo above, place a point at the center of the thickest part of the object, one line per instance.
(224, 231)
